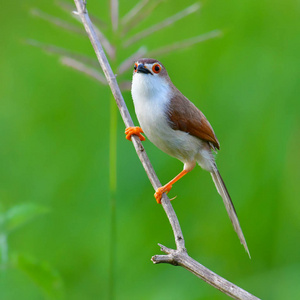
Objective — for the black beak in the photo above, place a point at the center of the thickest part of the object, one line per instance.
(142, 69)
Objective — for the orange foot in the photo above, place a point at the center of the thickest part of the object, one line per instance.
(164, 189)
(134, 130)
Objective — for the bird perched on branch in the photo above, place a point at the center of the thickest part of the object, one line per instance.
(176, 126)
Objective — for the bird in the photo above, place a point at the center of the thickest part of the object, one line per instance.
(177, 127)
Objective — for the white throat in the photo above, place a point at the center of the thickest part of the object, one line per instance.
(146, 87)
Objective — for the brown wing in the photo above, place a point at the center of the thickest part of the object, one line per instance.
(185, 116)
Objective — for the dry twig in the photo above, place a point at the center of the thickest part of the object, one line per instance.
(128, 62)
(185, 43)
(178, 256)
(143, 13)
(57, 21)
(165, 23)
(114, 9)
(134, 11)
(83, 68)
(52, 49)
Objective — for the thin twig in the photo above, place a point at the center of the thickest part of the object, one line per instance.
(178, 256)
(181, 258)
(185, 43)
(109, 48)
(133, 12)
(79, 66)
(125, 85)
(3, 251)
(167, 22)
(141, 16)
(127, 64)
(64, 52)
(57, 21)
(114, 11)
(68, 7)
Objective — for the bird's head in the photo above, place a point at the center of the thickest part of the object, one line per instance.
(150, 76)
(149, 66)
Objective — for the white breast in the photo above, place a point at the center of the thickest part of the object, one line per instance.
(151, 95)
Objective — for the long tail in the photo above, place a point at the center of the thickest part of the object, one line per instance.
(229, 206)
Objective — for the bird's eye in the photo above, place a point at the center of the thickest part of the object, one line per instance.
(135, 67)
(156, 68)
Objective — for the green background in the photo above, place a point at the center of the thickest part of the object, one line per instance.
(54, 153)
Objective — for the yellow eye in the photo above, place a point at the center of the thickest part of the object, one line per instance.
(156, 68)
(135, 67)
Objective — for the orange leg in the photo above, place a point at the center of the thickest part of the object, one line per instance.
(134, 130)
(166, 188)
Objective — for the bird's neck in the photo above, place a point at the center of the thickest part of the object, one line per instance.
(148, 88)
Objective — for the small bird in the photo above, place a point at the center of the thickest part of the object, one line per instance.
(177, 127)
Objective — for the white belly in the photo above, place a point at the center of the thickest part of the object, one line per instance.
(151, 105)
(152, 117)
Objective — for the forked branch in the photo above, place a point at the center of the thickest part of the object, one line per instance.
(178, 256)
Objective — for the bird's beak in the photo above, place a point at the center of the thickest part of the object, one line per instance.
(142, 69)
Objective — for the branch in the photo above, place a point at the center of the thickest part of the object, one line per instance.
(139, 14)
(83, 68)
(181, 258)
(185, 43)
(56, 21)
(178, 256)
(104, 40)
(134, 11)
(114, 12)
(68, 7)
(128, 62)
(165, 23)
(52, 49)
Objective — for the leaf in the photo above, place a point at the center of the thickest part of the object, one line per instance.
(19, 215)
(42, 274)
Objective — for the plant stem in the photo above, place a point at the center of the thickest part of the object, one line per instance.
(3, 250)
(114, 7)
(113, 189)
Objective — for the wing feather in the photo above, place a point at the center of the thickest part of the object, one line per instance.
(185, 116)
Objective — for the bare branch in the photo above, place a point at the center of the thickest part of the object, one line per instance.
(64, 52)
(57, 21)
(167, 22)
(68, 7)
(185, 43)
(181, 258)
(72, 28)
(125, 85)
(109, 48)
(76, 61)
(133, 12)
(142, 15)
(127, 64)
(178, 256)
(79, 66)
(114, 12)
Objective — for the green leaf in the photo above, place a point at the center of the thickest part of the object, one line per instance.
(42, 274)
(19, 215)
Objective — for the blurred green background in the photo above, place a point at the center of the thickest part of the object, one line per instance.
(54, 158)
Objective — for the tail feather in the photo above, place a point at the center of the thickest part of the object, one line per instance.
(229, 206)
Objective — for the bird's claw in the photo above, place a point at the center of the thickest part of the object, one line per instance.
(129, 131)
(160, 191)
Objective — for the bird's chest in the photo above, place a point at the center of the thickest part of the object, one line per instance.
(152, 116)
(151, 102)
